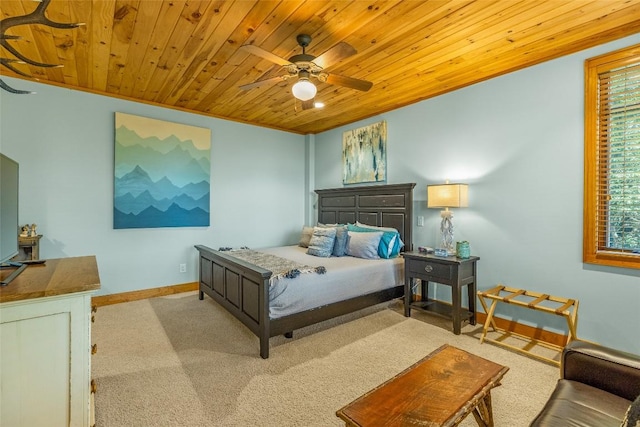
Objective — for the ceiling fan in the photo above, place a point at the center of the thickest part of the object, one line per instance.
(304, 66)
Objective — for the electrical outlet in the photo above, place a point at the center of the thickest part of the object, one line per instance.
(420, 221)
(183, 268)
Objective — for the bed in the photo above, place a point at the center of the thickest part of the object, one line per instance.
(242, 288)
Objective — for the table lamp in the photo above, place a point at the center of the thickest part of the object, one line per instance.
(447, 196)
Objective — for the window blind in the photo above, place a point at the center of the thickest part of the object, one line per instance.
(617, 222)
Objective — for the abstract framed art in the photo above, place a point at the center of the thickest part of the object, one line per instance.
(364, 154)
(161, 174)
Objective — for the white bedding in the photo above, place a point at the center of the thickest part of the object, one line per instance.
(346, 277)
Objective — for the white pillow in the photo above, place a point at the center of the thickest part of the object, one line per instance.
(375, 227)
(390, 243)
(363, 245)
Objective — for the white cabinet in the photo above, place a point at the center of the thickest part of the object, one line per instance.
(45, 348)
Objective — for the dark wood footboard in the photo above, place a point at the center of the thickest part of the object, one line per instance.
(240, 287)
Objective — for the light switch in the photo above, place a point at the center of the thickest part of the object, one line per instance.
(420, 221)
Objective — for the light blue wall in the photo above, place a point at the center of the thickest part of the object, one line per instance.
(64, 142)
(517, 140)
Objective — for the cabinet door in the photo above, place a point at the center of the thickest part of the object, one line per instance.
(34, 362)
(45, 361)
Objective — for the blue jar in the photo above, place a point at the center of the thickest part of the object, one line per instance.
(462, 250)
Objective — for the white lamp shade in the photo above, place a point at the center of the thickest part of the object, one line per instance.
(304, 90)
(448, 196)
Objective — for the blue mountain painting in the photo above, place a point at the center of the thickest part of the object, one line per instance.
(160, 182)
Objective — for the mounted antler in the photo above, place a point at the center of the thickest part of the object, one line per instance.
(8, 88)
(35, 17)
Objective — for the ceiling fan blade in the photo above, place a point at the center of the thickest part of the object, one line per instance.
(258, 51)
(337, 53)
(350, 82)
(309, 104)
(262, 82)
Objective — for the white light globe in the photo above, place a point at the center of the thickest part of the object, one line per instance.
(304, 90)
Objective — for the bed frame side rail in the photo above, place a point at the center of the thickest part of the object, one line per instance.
(295, 321)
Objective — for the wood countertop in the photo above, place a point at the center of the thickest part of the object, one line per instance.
(55, 277)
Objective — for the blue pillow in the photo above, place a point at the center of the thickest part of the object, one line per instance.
(389, 246)
(340, 244)
(321, 243)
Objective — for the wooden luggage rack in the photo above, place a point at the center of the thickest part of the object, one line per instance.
(567, 308)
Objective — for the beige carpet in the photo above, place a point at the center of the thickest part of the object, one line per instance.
(178, 361)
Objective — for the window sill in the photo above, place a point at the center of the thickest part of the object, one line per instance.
(613, 259)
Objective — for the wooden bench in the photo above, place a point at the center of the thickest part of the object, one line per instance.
(437, 391)
(565, 307)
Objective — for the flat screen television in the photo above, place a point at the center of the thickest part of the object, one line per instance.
(9, 177)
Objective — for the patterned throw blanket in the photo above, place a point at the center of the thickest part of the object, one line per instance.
(280, 267)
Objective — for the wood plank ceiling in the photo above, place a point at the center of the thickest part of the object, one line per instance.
(187, 54)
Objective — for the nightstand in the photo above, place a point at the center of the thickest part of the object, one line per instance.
(451, 271)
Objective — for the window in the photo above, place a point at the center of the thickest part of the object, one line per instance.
(612, 159)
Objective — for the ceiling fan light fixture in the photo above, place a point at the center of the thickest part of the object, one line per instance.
(304, 90)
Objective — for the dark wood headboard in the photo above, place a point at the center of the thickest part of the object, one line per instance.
(381, 205)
